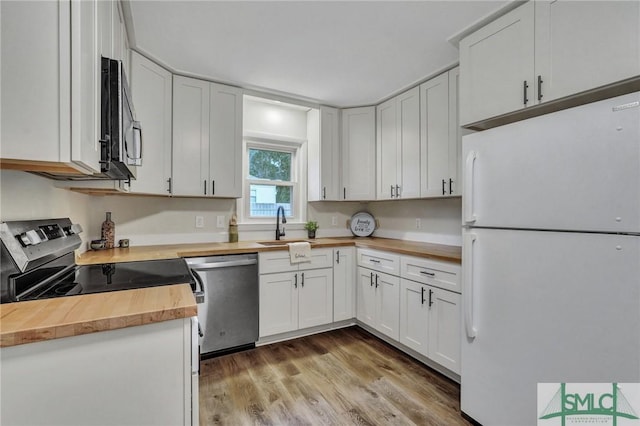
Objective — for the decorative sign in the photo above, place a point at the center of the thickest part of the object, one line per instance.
(362, 224)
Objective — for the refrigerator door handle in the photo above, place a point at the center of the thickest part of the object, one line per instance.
(469, 216)
(467, 278)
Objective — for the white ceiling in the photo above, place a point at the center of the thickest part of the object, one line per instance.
(340, 53)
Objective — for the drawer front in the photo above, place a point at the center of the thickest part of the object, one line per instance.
(275, 261)
(280, 261)
(320, 258)
(444, 275)
(379, 261)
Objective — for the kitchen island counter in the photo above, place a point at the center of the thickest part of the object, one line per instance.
(39, 320)
(136, 253)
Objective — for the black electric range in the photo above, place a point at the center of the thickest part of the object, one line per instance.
(38, 262)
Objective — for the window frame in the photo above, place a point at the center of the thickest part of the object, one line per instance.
(298, 182)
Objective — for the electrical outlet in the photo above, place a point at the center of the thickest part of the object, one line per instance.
(220, 221)
(199, 221)
(418, 224)
(334, 221)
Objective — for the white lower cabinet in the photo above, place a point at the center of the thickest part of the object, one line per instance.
(291, 301)
(430, 322)
(379, 301)
(344, 289)
(142, 375)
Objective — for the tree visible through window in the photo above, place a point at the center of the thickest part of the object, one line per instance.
(271, 186)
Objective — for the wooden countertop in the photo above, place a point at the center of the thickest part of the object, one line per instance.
(170, 251)
(38, 320)
(33, 321)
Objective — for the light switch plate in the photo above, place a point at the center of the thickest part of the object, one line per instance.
(199, 221)
(220, 221)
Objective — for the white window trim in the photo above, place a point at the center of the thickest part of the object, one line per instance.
(298, 147)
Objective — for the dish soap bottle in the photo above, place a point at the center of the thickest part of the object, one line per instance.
(233, 229)
(108, 231)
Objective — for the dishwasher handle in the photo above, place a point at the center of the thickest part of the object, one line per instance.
(199, 290)
(205, 266)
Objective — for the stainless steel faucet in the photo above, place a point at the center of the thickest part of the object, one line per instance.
(284, 220)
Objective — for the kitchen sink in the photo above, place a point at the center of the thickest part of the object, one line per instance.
(282, 243)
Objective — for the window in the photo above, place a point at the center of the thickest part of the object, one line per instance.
(270, 183)
(273, 173)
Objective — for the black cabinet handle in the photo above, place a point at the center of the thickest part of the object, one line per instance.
(169, 182)
(540, 87)
(213, 187)
(450, 186)
(371, 284)
(324, 192)
(430, 300)
(295, 281)
(397, 191)
(392, 191)
(303, 279)
(205, 187)
(525, 86)
(444, 191)
(431, 274)
(344, 192)
(376, 280)
(422, 295)
(338, 257)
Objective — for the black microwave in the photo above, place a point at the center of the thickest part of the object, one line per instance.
(120, 134)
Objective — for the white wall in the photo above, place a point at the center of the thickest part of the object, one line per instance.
(273, 119)
(440, 219)
(27, 196)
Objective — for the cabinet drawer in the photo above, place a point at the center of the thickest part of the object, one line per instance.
(439, 274)
(280, 261)
(320, 258)
(275, 261)
(379, 261)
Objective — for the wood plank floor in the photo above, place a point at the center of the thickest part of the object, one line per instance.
(342, 377)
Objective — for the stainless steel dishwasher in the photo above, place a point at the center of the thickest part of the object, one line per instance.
(229, 313)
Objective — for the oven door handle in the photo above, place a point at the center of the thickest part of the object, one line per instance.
(199, 291)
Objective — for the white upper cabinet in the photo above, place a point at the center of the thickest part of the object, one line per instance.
(546, 50)
(581, 45)
(151, 92)
(225, 141)
(190, 136)
(207, 139)
(440, 136)
(398, 146)
(323, 128)
(496, 65)
(359, 154)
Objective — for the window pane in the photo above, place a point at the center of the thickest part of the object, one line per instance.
(265, 200)
(273, 165)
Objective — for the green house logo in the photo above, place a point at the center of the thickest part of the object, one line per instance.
(585, 404)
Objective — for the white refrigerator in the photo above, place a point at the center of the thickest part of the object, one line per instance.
(551, 257)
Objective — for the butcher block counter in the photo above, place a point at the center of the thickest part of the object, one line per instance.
(169, 251)
(38, 320)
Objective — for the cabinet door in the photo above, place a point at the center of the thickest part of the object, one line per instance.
(278, 303)
(496, 63)
(190, 137)
(358, 154)
(387, 304)
(315, 297)
(35, 81)
(444, 328)
(408, 105)
(582, 45)
(344, 300)
(387, 150)
(225, 141)
(151, 92)
(366, 297)
(455, 133)
(414, 316)
(329, 153)
(434, 138)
